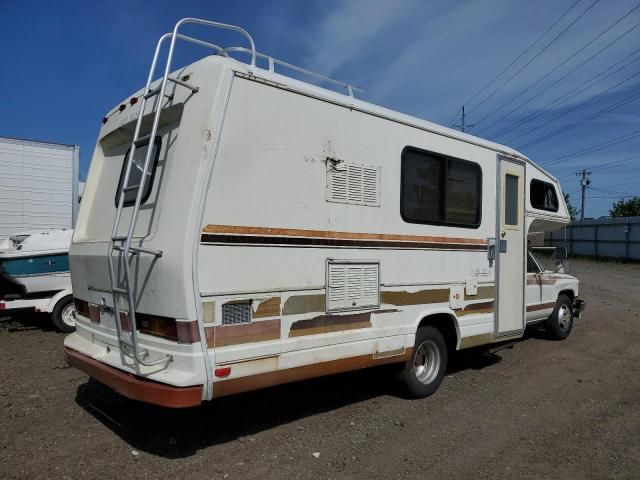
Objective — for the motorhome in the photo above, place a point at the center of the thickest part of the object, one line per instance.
(242, 228)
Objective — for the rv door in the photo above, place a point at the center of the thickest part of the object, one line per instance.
(510, 258)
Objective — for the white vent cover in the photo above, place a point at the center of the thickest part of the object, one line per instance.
(353, 183)
(352, 285)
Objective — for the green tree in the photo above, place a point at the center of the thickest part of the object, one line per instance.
(573, 211)
(628, 208)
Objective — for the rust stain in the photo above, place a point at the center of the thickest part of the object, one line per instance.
(268, 308)
(299, 304)
(415, 298)
(330, 323)
(254, 382)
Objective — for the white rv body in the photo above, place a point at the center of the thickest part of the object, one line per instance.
(276, 206)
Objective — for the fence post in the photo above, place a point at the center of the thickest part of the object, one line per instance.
(627, 228)
(595, 239)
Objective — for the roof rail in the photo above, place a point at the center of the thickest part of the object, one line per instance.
(272, 62)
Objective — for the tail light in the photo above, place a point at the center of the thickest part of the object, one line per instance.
(3, 305)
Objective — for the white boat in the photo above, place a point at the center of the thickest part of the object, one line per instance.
(37, 261)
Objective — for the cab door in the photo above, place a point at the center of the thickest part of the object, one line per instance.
(510, 257)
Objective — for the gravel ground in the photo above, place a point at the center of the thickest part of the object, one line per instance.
(541, 409)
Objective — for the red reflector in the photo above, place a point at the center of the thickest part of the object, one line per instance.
(2, 306)
(122, 107)
(105, 120)
(133, 100)
(222, 372)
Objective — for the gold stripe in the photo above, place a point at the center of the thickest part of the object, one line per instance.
(304, 304)
(415, 298)
(483, 293)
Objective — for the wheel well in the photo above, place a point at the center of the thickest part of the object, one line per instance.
(568, 293)
(446, 324)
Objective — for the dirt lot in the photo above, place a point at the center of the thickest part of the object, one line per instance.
(542, 409)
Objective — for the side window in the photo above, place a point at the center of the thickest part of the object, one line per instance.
(136, 172)
(440, 190)
(511, 199)
(532, 266)
(543, 196)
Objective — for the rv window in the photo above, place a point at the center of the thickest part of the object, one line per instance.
(543, 196)
(440, 190)
(136, 172)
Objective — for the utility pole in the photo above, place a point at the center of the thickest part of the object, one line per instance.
(463, 125)
(584, 184)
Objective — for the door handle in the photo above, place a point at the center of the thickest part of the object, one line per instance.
(491, 249)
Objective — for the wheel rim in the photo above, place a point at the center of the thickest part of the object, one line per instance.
(426, 363)
(564, 317)
(68, 315)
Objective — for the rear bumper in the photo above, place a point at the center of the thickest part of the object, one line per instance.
(134, 387)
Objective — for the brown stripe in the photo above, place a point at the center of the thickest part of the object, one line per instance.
(263, 380)
(188, 332)
(415, 298)
(268, 308)
(483, 292)
(541, 306)
(304, 304)
(225, 335)
(82, 307)
(476, 308)
(295, 232)
(330, 242)
(330, 323)
(545, 280)
(475, 340)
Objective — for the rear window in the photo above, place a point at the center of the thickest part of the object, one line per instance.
(135, 176)
(543, 196)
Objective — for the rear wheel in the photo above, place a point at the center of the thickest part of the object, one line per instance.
(424, 371)
(63, 313)
(560, 322)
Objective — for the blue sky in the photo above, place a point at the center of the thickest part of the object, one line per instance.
(65, 63)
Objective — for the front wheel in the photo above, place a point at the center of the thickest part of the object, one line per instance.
(424, 371)
(560, 322)
(62, 316)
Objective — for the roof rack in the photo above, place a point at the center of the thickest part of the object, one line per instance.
(225, 52)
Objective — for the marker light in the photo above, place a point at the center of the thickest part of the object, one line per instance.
(105, 120)
(222, 372)
(133, 100)
(122, 107)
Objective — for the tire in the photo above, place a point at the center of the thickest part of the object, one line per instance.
(560, 322)
(424, 371)
(62, 315)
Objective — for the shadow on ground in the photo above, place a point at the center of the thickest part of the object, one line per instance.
(181, 433)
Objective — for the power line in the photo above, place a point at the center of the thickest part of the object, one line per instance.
(566, 128)
(617, 162)
(570, 93)
(553, 40)
(620, 184)
(594, 148)
(573, 70)
(564, 62)
(524, 52)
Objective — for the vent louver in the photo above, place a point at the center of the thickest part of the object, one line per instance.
(234, 313)
(353, 183)
(352, 286)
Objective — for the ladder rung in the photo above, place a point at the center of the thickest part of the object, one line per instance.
(120, 290)
(152, 93)
(131, 187)
(119, 238)
(157, 253)
(118, 248)
(142, 140)
(184, 84)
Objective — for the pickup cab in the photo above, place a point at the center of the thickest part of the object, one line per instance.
(552, 297)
